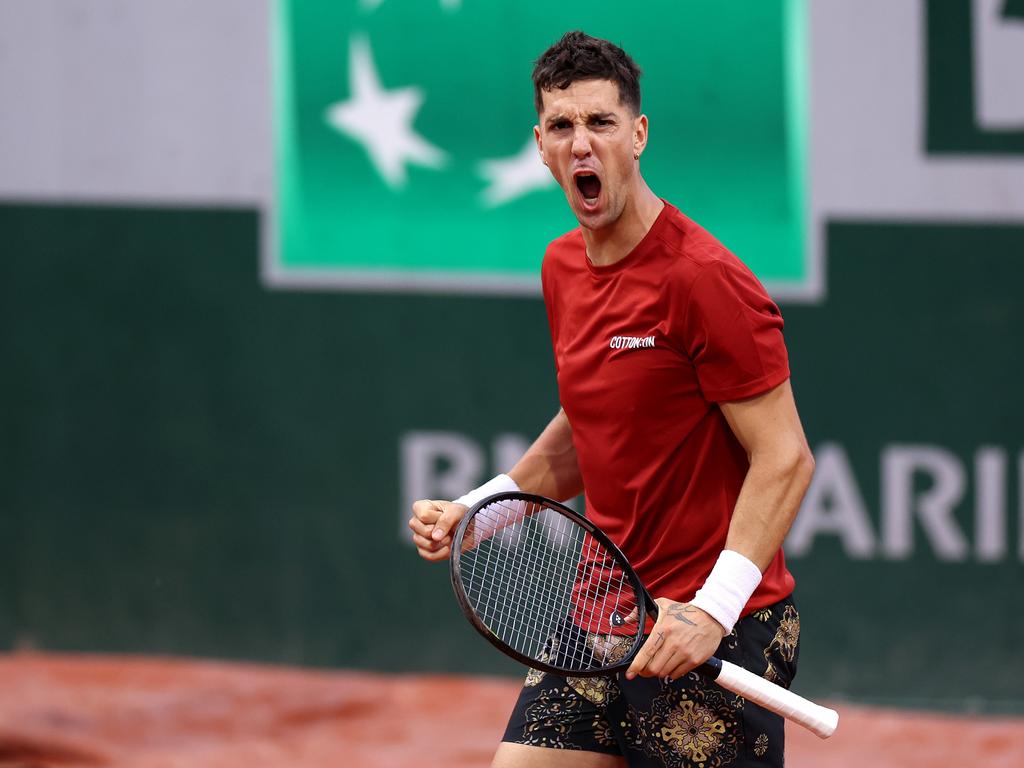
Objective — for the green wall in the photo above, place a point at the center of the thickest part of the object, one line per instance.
(191, 463)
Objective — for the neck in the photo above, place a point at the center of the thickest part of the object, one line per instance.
(613, 243)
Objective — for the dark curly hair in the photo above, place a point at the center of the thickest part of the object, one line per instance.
(578, 56)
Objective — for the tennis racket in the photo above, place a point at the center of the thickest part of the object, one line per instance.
(547, 587)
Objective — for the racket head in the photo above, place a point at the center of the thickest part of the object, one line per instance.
(547, 587)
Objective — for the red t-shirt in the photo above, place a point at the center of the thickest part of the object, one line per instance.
(645, 349)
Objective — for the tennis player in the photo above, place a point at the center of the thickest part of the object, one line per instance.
(678, 422)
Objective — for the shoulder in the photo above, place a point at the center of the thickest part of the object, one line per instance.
(692, 247)
(697, 256)
(563, 256)
(565, 247)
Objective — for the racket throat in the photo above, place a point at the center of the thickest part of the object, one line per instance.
(711, 668)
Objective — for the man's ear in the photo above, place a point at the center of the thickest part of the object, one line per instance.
(639, 135)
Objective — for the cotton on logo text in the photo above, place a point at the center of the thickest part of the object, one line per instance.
(632, 342)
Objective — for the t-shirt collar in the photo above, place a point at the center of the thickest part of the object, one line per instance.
(640, 250)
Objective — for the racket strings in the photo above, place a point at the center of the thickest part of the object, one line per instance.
(514, 587)
(545, 587)
(486, 579)
(510, 612)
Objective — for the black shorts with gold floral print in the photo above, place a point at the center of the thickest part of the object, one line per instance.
(654, 722)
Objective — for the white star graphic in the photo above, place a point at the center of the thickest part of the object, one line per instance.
(515, 176)
(381, 120)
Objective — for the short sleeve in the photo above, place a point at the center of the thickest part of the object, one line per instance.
(733, 334)
(548, 291)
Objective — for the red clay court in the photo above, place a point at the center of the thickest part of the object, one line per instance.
(137, 712)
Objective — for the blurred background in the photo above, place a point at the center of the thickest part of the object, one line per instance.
(269, 272)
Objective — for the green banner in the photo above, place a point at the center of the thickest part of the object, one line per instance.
(404, 148)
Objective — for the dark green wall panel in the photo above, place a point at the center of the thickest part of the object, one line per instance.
(192, 463)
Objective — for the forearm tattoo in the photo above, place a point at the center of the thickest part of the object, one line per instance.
(678, 610)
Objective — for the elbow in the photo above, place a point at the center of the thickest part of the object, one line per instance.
(796, 463)
(796, 470)
(805, 467)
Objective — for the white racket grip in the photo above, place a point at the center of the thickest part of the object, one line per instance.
(820, 720)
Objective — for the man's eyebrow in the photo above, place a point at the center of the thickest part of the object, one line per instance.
(590, 116)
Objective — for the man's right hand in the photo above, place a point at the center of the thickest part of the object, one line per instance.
(432, 523)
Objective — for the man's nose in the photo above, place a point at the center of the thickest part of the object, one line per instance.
(581, 142)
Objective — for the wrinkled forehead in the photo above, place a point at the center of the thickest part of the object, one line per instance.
(583, 97)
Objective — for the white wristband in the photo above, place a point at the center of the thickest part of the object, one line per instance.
(727, 590)
(499, 484)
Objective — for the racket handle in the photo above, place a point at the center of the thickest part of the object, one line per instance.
(820, 720)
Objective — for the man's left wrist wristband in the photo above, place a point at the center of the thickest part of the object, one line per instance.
(728, 588)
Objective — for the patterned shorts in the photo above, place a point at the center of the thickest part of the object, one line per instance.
(651, 722)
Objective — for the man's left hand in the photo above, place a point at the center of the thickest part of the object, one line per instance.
(683, 637)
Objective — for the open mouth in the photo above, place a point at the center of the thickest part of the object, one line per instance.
(589, 186)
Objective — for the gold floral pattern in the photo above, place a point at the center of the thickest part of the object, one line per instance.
(762, 615)
(732, 640)
(597, 690)
(761, 745)
(783, 647)
(787, 636)
(686, 728)
(604, 734)
(685, 723)
(550, 650)
(693, 731)
(611, 649)
(533, 677)
(550, 719)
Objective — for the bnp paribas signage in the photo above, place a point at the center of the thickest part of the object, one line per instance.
(404, 150)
